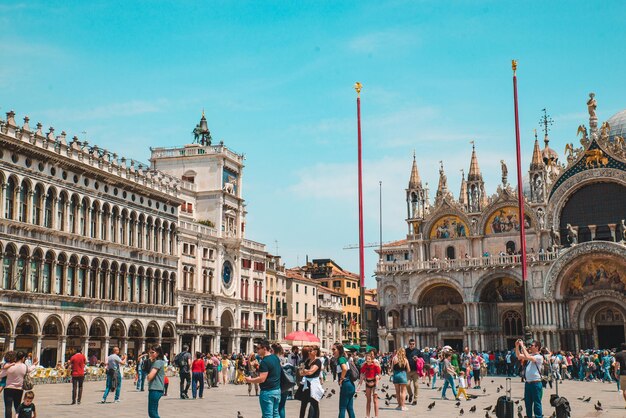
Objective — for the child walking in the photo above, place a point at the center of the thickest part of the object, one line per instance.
(462, 386)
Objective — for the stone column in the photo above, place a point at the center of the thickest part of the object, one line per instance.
(4, 190)
(216, 342)
(143, 346)
(37, 353)
(124, 347)
(105, 351)
(197, 342)
(62, 346)
(86, 347)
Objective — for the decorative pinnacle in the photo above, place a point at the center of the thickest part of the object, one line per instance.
(514, 66)
(546, 121)
(358, 86)
(535, 131)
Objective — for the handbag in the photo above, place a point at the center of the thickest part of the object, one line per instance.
(27, 384)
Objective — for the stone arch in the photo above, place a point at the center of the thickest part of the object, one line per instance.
(168, 330)
(6, 326)
(27, 325)
(501, 205)
(562, 192)
(436, 294)
(98, 328)
(432, 280)
(592, 330)
(486, 280)
(117, 329)
(449, 320)
(570, 258)
(77, 327)
(448, 212)
(53, 325)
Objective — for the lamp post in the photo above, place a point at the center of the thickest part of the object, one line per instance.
(363, 333)
(520, 201)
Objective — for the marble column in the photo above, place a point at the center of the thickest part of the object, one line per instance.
(105, 351)
(37, 353)
(62, 346)
(124, 347)
(86, 347)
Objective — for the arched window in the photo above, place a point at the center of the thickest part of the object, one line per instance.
(48, 209)
(115, 214)
(82, 218)
(59, 274)
(124, 227)
(8, 266)
(512, 324)
(24, 196)
(73, 213)
(82, 281)
(450, 253)
(104, 223)
(46, 273)
(37, 205)
(121, 283)
(148, 231)
(102, 285)
(61, 202)
(112, 282)
(93, 275)
(93, 219)
(35, 270)
(70, 288)
(510, 247)
(9, 199)
(140, 228)
(22, 269)
(157, 228)
(131, 229)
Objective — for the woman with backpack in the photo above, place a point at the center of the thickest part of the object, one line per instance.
(156, 380)
(400, 369)
(347, 389)
(14, 389)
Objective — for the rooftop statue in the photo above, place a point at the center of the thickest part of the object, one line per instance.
(592, 105)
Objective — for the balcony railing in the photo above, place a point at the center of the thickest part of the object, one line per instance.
(208, 322)
(463, 263)
(189, 321)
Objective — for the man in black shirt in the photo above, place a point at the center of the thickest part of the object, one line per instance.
(183, 362)
(412, 353)
(620, 359)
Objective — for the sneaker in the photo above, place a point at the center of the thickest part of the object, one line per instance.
(79, 402)
(410, 398)
(116, 401)
(73, 403)
(103, 401)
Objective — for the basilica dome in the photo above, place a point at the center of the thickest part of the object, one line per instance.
(617, 122)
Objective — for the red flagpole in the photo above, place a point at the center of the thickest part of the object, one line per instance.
(520, 200)
(363, 342)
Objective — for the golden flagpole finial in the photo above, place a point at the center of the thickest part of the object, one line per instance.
(358, 86)
(514, 65)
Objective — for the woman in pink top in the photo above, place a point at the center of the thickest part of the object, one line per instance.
(15, 378)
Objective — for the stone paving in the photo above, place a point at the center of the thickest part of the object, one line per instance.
(53, 400)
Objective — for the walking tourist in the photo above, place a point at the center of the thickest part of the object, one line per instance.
(268, 380)
(13, 390)
(462, 386)
(143, 368)
(311, 386)
(224, 363)
(400, 367)
(289, 371)
(533, 388)
(347, 389)
(77, 364)
(449, 374)
(197, 376)
(477, 364)
(412, 355)
(370, 372)
(252, 369)
(114, 375)
(156, 380)
(183, 362)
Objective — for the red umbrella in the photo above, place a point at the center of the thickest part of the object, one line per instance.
(302, 338)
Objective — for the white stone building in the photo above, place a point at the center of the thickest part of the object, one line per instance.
(456, 278)
(221, 291)
(88, 247)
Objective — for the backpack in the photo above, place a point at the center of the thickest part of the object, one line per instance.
(146, 365)
(353, 372)
(287, 379)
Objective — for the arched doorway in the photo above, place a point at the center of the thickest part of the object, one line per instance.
(609, 328)
(443, 307)
(76, 335)
(512, 327)
(5, 332)
(168, 338)
(500, 296)
(135, 339)
(26, 332)
(152, 334)
(117, 332)
(51, 352)
(227, 323)
(97, 336)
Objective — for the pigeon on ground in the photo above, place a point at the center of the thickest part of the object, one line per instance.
(473, 408)
(458, 404)
(332, 391)
(519, 408)
(440, 388)
(492, 381)
(239, 414)
(516, 402)
(582, 398)
(484, 390)
(598, 408)
(461, 412)
(588, 399)
(414, 402)
(383, 390)
(599, 404)
(355, 395)
(387, 403)
(487, 415)
(498, 390)
(488, 408)
(431, 406)
(519, 415)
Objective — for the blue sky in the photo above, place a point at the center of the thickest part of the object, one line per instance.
(275, 80)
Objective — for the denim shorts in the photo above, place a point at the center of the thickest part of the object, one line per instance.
(399, 377)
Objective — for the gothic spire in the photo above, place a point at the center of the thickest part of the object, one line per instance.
(474, 171)
(463, 194)
(442, 188)
(415, 181)
(536, 162)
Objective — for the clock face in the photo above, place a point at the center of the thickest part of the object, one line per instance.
(227, 273)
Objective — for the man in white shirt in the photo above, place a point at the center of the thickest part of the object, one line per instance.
(533, 389)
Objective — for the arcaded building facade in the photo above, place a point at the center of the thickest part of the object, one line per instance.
(88, 247)
(456, 277)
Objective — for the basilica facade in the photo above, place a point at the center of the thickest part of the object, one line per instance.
(456, 277)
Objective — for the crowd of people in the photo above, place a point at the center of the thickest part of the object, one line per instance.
(308, 375)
